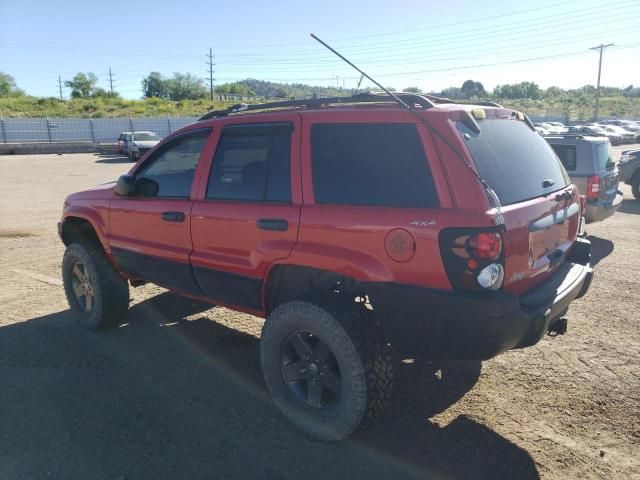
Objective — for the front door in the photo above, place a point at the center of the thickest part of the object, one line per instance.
(248, 213)
(150, 232)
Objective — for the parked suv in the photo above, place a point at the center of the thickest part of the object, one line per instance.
(139, 143)
(590, 165)
(444, 230)
(630, 170)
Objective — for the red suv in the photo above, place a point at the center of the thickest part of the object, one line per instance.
(353, 226)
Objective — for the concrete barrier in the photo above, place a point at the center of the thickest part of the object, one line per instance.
(57, 147)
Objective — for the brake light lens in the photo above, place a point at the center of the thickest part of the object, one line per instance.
(486, 245)
(473, 257)
(593, 187)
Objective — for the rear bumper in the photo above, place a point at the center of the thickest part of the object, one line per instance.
(603, 209)
(477, 326)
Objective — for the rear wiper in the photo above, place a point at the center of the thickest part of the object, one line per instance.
(548, 183)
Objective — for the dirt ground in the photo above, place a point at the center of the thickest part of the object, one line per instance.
(176, 392)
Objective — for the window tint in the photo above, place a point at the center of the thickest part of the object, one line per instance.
(604, 156)
(173, 166)
(252, 162)
(370, 164)
(567, 156)
(513, 159)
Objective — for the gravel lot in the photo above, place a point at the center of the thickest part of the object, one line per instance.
(177, 393)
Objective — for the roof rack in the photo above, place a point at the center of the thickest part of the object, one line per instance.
(424, 100)
(412, 98)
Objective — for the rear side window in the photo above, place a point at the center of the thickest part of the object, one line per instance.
(567, 156)
(252, 163)
(380, 165)
(513, 159)
(604, 156)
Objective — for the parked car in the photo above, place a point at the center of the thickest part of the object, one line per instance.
(629, 167)
(550, 127)
(558, 127)
(627, 136)
(354, 230)
(599, 131)
(122, 142)
(140, 142)
(590, 165)
(542, 131)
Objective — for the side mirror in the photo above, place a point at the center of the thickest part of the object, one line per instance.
(126, 186)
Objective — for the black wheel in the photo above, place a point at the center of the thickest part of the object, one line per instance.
(327, 367)
(635, 186)
(95, 291)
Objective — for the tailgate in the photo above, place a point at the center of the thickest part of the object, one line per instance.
(539, 234)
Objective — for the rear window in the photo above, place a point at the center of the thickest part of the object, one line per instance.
(513, 159)
(567, 156)
(604, 156)
(370, 164)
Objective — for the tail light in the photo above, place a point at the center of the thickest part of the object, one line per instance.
(473, 257)
(593, 187)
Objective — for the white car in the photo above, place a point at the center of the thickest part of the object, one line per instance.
(141, 142)
(627, 136)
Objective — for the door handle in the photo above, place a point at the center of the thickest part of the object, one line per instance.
(173, 216)
(279, 224)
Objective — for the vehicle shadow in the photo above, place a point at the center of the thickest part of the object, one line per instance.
(600, 248)
(172, 394)
(630, 206)
(114, 157)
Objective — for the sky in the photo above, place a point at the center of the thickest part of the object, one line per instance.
(431, 45)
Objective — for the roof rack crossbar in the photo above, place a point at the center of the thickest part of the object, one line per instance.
(411, 98)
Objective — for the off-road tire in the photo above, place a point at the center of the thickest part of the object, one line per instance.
(110, 290)
(363, 356)
(635, 186)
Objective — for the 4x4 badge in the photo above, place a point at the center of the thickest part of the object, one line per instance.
(424, 223)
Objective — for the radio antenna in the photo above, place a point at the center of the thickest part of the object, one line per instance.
(491, 193)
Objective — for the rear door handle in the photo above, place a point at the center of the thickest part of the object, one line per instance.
(173, 216)
(279, 224)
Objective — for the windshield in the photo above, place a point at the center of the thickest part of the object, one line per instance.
(514, 160)
(144, 137)
(604, 156)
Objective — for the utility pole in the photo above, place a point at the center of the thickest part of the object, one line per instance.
(110, 80)
(211, 64)
(60, 86)
(599, 47)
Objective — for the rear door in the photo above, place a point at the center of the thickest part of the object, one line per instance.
(248, 211)
(541, 207)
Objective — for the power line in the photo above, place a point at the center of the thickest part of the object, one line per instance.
(599, 47)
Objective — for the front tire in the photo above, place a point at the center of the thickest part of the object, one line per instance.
(96, 293)
(327, 366)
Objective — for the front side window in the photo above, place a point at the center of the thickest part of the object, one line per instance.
(252, 163)
(169, 172)
(370, 164)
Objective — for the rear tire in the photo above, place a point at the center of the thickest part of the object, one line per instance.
(96, 293)
(635, 186)
(343, 341)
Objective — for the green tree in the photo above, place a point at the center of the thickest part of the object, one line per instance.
(234, 88)
(472, 89)
(8, 86)
(82, 85)
(412, 90)
(185, 87)
(154, 86)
